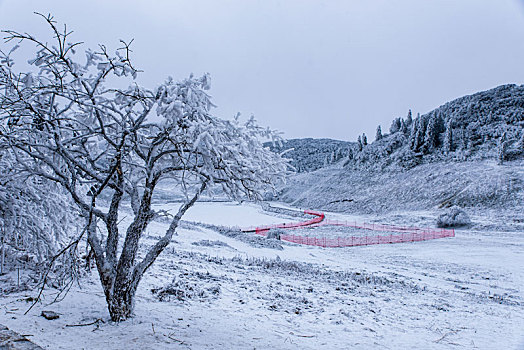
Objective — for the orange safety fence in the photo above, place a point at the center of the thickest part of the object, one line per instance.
(402, 233)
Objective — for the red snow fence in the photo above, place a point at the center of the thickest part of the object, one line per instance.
(397, 234)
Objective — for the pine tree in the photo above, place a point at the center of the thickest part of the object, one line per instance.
(417, 134)
(378, 136)
(413, 134)
(364, 140)
(409, 119)
(440, 123)
(359, 144)
(448, 138)
(395, 125)
(421, 131)
(403, 127)
(431, 135)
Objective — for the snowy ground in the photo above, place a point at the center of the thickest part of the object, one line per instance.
(221, 293)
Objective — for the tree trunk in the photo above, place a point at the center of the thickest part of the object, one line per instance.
(122, 303)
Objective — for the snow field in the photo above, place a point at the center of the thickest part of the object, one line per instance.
(462, 292)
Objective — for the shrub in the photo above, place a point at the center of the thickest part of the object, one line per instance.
(453, 217)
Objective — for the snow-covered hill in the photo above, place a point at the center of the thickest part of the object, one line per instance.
(474, 184)
(488, 124)
(468, 152)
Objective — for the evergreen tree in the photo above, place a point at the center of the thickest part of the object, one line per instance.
(448, 138)
(359, 144)
(403, 127)
(431, 135)
(395, 126)
(417, 134)
(409, 119)
(413, 134)
(440, 123)
(364, 139)
(378, 136)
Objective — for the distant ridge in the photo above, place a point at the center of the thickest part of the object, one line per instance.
(309, 154)
(487, 124)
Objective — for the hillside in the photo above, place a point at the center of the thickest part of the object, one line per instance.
(485, 125)
(476, 184)
(468, 152)
(310, 154)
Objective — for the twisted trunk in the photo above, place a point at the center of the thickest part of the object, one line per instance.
(120, 281)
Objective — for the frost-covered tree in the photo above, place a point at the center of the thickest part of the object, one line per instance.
(359, 143)
(395, 126)
(416, 139)
(64, 123)
(409, 119)
(364, 140)
(403, 127)
(31, 229)
(378, 135)
(412, 134)
(431, 135)
(448, 138)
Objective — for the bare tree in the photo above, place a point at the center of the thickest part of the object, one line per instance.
(65, 124)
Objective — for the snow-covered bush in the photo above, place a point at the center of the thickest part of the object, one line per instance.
(36, 216)
(274, 234)
(186, 287)
(453, 217)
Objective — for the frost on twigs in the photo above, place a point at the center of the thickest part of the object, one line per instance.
(69, 123)
(453, 217)
(185, 287)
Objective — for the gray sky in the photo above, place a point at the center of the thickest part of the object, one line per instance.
(309, 68)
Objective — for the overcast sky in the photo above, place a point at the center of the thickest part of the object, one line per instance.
(310, 68)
